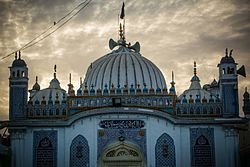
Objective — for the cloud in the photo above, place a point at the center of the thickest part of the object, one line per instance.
(172, 34)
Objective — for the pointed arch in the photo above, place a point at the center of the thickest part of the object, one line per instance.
(165, 151)
(79, 152)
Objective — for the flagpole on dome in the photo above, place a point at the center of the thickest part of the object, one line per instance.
(122, 27)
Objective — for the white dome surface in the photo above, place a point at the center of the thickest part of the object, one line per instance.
(122, 67)
(53, 92)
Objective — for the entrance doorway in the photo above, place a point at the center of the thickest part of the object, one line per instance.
(122, 155)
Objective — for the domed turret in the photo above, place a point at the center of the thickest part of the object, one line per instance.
(54, 93)
(36, 86)
(19, 62)
(195, 89)
(226, 58)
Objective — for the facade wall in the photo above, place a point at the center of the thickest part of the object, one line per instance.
(225, 141)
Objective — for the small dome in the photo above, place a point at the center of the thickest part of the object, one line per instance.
(246, 95)
(195, 78)
(227, 59)
(19, 63)
(53, 93)
(54, 83)
(49, 94)
(214, 84)
(36, 87)
(124, 66)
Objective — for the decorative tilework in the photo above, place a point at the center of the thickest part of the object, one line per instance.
(202, 147)
(79, 152)
(45, 148)
(108, 136)
(165, 151)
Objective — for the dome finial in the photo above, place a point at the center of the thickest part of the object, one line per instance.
(55, 71)
(15, 55)
(36, 79)
(226, 53)
(122, 25)
(69, 78)
(80, 80)
(195, 72)
(231, 52)
(19, 55)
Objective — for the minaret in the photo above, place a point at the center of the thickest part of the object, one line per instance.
(71, 91)
(172, 89)
(228, 85)
(246, 104)
(18, 88)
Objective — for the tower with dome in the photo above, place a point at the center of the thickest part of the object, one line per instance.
(123, 114)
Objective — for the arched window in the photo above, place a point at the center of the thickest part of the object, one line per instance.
(50, 112)
(13, 74)
(44, 112)
(165, 151)
(57, 111)
(18, 73)
(23, 74)
(64, 112)
(79, 152)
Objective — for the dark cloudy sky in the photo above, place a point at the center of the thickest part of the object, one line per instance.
(172, 34)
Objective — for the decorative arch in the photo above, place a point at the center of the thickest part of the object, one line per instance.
(45, 148)
(122, 153)
(79, 152)
(202, 147)
(165, 151)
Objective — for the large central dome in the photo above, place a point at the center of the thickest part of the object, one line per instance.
(124, 67)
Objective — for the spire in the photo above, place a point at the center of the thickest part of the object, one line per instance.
(172, 83)
(71, 90)
(69, 78)
(80, 81)
(226, 53)
(15, 55)
(122, 23)
(172, 89)
(19, 55)
(36, 86)
(195, 72)
(231, 52)
(55, 71)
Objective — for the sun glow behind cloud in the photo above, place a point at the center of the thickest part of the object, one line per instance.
(172, 35)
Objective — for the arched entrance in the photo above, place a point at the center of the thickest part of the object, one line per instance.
(122, 155)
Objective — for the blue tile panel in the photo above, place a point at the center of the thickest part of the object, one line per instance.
(45, 148)
(79, 152)
(165, 151)
(135, 136)
(202, 147)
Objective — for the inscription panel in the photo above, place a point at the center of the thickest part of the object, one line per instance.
(45, 149)
(202, 147)
(122, 124)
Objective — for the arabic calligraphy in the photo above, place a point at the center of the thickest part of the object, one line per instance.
(122, 124)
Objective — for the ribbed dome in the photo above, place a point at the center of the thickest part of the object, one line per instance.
(122, 67)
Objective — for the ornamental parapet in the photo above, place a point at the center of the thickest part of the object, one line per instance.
(159, 102)
(58, 110)
(199, 109)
